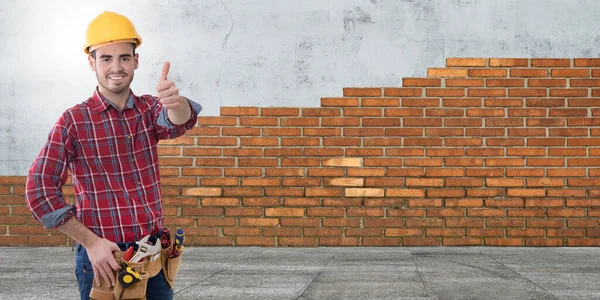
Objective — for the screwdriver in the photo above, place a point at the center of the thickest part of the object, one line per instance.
(178, 245)
(127, 255)
(165, 238)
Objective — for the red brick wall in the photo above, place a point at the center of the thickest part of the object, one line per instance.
(482, 152)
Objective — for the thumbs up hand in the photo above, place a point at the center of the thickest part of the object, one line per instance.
(167, 92)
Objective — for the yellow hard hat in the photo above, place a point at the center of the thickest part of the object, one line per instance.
(110, 27)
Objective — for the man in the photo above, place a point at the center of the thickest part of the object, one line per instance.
(108, 143)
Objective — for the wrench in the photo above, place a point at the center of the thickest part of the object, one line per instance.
(145, 249)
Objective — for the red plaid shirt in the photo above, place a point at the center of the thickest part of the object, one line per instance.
(113, 160)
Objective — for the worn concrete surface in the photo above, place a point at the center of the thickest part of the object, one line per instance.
(264, 53)
(336, 273)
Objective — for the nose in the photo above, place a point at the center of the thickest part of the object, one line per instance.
(116, 65)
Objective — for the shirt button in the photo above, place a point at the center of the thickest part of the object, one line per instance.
(139, 183)
(132, 160)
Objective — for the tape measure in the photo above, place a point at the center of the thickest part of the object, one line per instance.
(128, 277)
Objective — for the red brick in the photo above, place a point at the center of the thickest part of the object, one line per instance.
(255, 241)
(249, 231)
(582, 242)
(586, 62)
(512, 242)
(303, 222)
(302, 202)
(172, 161)
(326, 102)
(418, 241)
(239, 111)
(527, 92)
(341, 241)
(549, 62)
(466, 62)
(321, 132)
(445, 92)
(381, 242)
(487, 72)
(341, 222)
(547, 82)
(363, 132)
(213, 241)
(421, 82)
(464, 82)
(324, 212)
(279, 111)
(412, 102)
(404, 232)
(529, 73)
(552, 223)
(47, 240)
(284, 191)
(259, 121)
(178, 141)
(585, 82)
(518, 223)
(505, 82)
(282, 231)
(509, 62)
(362, 92)
(322, 231)
(380, 102)
(486, 92)
(486, 212)
(217, 141)
(318, 112)
(566, 232)
(282, 132)
(544, 242)
(570, 73)
(284, 212)
(403, 92)
(462, 242)
(444, 232)
(366, 172)
(297, 241)
(447, 72)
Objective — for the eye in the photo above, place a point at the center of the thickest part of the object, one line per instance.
(105, 59)
(126, 58)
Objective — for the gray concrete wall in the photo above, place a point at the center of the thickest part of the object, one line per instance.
(264, 52)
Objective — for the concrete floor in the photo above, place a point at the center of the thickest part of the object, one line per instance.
(335, 273)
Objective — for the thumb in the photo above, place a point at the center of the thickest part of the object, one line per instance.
(165, 71)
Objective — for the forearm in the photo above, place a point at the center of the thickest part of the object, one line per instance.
(182, 114)
(77, 231)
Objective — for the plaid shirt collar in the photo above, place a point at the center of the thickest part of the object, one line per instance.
(99, 103)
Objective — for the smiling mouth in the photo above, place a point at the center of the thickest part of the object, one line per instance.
(115, 77)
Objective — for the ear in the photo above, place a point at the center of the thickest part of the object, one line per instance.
(136, 61)
(92, 62)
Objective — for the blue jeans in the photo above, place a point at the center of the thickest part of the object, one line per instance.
(158, 288)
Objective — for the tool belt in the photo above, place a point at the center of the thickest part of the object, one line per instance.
(145, 269)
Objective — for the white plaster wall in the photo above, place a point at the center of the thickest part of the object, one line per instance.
(264, 52)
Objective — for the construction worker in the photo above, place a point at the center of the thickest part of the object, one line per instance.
(109, 144)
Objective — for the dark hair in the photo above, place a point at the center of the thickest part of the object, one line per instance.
(93, 53)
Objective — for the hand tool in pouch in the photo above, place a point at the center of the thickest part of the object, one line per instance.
(145, 249)
(128, 277)
(178, 244)
(165, 238)
(128, 253)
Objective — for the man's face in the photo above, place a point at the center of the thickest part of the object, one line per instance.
(114, 66)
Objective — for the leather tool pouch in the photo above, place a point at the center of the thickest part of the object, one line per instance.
(170, 266)
(135, 291)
